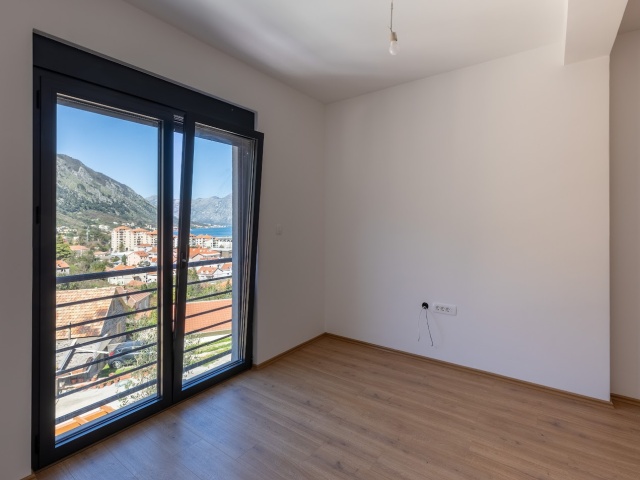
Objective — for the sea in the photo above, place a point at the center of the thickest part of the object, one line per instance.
(214, 231)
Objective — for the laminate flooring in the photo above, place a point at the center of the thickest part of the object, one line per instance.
(338, 410)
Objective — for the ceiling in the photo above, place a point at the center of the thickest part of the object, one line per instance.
(336, 49)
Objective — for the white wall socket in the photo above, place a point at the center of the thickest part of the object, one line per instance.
(445, 309)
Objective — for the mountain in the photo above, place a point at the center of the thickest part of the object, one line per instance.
(85, 196)
(212, 210)
(205, 211)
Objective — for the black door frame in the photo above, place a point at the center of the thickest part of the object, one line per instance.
(59, 68)
(181, 392)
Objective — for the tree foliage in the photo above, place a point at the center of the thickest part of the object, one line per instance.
(63, 250)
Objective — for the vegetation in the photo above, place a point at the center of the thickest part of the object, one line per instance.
(191, 355)
(63, 250)
(82, 264)
(206, 288)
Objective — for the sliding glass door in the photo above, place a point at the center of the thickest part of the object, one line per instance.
(218, 184)
(107, 316)
(145, 243)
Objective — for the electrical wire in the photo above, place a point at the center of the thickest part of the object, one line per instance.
(426, 315)
(391, 25)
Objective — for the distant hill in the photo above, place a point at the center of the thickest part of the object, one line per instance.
(209, 211)
(85, 196)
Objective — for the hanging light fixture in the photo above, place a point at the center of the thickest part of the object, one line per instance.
(393, 45)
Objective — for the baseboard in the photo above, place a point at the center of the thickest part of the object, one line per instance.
(535, 386)
(259, 366)
(627, 400)
(30, 477)
(554, 391)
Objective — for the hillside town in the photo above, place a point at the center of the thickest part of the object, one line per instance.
(138, 247)
(132, 247)
(95, 317)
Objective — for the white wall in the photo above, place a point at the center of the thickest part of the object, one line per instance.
(290, 302)
(487, 188)
(625, 215)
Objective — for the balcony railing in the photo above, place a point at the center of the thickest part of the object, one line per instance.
(86, 387)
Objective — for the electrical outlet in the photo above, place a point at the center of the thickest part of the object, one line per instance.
(445, 309)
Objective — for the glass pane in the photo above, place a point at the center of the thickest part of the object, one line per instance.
(178, 138)
(106, 262)
(210, 321)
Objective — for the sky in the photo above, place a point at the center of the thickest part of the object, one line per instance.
(127, 151)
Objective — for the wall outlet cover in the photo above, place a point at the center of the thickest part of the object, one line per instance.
(445, 308)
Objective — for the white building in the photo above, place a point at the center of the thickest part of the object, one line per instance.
(125, 278)
(128, 239)
(204, 241)
(119, 238)
(223, 242)
(135, 258)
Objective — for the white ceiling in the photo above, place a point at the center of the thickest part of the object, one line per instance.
(336, 49)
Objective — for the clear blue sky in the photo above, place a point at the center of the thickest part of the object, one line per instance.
(128, 152)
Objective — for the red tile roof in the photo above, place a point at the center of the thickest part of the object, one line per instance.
(209, 253)
(224, 315)
(208, 270)
(120, 267)
(61, 264)
(134, 296)
(78, 248)
(83, 311)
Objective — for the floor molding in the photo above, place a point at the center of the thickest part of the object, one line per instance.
(554, 391)
(623, 399)
(266, 363)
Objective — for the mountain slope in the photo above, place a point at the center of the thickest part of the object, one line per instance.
(85, 196)
(207, 211)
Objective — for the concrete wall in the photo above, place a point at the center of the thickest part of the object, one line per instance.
(490, 185)
(290, 281)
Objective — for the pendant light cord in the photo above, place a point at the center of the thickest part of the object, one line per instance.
(391, 26)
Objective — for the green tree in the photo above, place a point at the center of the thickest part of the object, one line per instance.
(63, 250)
(98, 266)
(193, 290)
(142, 357)
(124, 259)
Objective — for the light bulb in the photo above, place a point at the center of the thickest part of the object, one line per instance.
(393, 46)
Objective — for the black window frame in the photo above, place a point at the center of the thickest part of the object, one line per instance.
(78, 70)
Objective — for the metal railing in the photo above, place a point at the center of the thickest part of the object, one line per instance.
(85, 373)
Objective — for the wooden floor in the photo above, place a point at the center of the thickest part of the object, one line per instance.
(337, 410)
